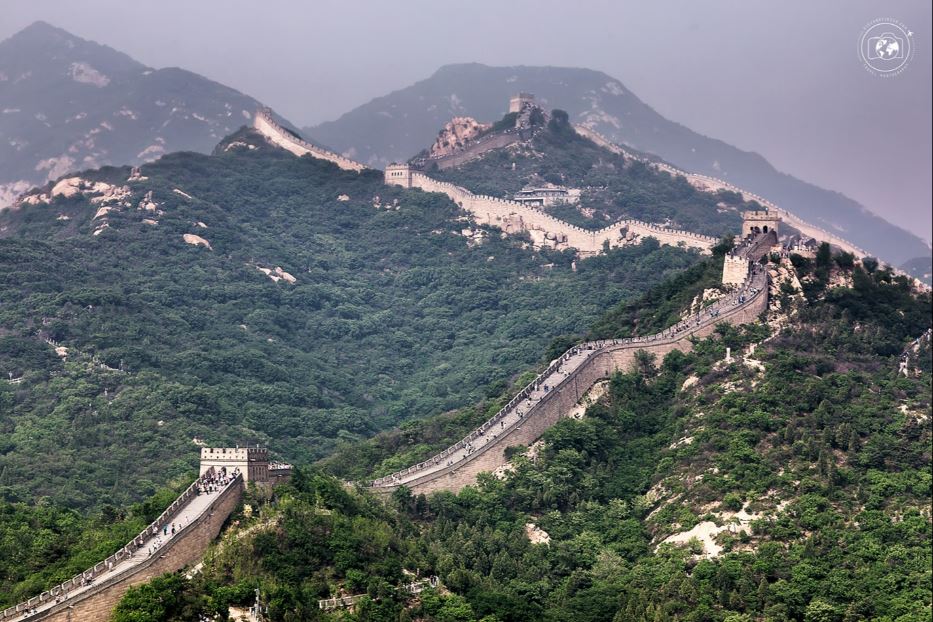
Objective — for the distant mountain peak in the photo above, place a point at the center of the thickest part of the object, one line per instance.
(41, 28)
(42, 46)
(107, 109)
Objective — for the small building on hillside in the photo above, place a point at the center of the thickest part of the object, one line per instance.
(546, 197)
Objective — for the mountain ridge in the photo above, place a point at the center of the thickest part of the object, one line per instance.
(107, 109)
(398, 125)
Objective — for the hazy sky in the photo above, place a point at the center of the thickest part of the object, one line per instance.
(782, 78)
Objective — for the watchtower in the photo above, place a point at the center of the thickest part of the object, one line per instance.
(399, 175)
(252, 462)
(760, 221)
(517, 102)
(735, 269)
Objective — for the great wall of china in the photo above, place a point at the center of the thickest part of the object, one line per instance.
(712, 184)
(511, 216)
(556, 390)
(176, 539)
(91, 595)
(278, 135)
(200, 515)
(543, 228)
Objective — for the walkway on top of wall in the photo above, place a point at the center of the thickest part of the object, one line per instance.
(562, 368)
(114, 571)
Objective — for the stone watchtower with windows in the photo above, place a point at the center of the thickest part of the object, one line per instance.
(399, 175)
(252, 462)
(760, 221)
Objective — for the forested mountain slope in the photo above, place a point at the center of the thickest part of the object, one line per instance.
(251, 296)
(791, 482)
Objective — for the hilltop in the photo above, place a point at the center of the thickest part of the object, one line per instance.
(594, 186)
(398, 125)
(107, 109)
(252, 296)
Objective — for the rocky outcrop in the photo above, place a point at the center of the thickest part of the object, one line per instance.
(97, 192)
(277, 274)
(457, 133)
(196, 240)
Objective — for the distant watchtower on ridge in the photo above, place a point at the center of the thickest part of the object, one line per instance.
(517, 102)
(399, 175)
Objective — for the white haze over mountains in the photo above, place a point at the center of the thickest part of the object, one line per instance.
(780, 78)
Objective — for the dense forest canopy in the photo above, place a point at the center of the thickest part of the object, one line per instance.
(393, 314)
(791, 482)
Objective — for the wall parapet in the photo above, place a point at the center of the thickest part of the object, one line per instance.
(752, 296)
(584, 240)
(797, 222)
(60, 593)
(264, 123)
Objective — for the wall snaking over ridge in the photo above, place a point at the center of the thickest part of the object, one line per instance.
(546, 230)
(554, 392)
(276, 134)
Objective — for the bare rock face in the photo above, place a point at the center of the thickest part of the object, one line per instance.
(196, 240)
(456, 134)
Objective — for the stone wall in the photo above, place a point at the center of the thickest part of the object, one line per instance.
(185, 549)
(712, 184)
(565, 395)
(475, 150)
(277, 135)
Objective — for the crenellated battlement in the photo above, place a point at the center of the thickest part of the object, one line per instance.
(278, 135)
(543, 401)
(513, 216)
